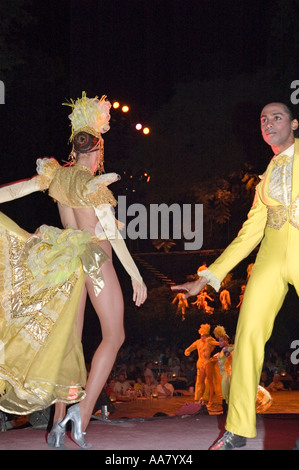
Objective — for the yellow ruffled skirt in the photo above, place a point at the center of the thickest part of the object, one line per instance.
(41, 281)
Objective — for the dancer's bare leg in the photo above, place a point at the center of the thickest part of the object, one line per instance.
(60, 408)
(109, 307)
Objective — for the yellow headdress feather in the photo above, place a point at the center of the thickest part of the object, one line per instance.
(219, 332)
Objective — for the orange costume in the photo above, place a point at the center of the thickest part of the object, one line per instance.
(204, 346)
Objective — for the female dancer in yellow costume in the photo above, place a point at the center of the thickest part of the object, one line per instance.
(45, 279)
(225, 357)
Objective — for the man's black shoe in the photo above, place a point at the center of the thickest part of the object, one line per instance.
(229, 441)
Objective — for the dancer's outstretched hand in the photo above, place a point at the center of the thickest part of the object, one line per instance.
(192, 288)
(139, 293)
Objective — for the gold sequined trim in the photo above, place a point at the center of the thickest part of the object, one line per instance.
(277, 216)
(102, 195)
(69, 186)
(294, 213)
(39, 327)
(282, 160)
(22, 303)
(43, 182)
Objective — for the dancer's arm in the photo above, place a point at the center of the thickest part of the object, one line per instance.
(108, 222)
(104, 212)
(46, 168)
(190, 348)
(247, 239)
(22, 188)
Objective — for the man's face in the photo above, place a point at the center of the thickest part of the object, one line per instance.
(276, 126)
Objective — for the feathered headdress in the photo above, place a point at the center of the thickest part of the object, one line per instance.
(219, 332)
(91, 115)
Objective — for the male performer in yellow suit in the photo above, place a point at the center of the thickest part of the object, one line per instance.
(274, 221)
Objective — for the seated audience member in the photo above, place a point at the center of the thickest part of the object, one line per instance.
(149, 385)
(132, 373)
(148, 370)
(276, 385)
(110, 386)
(164, 388)
(121, 386)
(139, 385)
(175, 367)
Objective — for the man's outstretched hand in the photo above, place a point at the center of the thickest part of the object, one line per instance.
(192, 288)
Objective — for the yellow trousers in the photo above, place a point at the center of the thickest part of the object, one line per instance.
(276, 266)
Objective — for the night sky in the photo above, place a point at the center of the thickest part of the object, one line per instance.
(197, 71)
(141, 50)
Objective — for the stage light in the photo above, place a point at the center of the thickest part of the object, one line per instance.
(147, 176)
(125, 109)
(146, 130)
(138, 127)
(116, 105)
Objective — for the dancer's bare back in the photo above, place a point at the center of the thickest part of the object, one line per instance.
(82, 219)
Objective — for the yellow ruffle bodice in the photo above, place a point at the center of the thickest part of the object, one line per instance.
(74, 186)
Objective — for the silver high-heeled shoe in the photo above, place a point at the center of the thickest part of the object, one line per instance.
(56, 436)
(74, 415)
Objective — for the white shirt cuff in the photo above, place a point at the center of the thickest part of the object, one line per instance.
(211, 279)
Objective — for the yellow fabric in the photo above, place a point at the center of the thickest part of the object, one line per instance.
(41, 357)
(217, 383)
(90, 115)
(68, 186)
(52, 255)
(252, 231)
(248, 238)
(275, 267)
(225, 367)
(263, 398)
(75, 187)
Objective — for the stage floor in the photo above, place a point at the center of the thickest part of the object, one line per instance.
(163, 425)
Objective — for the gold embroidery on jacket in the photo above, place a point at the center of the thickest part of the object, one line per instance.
(69, 187)
(294, 212)
(278, 215)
